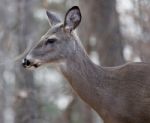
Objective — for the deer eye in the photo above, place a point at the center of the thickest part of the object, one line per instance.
(50, 41)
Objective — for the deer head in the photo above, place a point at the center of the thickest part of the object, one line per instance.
(58, 43)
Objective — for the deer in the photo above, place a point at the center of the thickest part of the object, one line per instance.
(119, 94)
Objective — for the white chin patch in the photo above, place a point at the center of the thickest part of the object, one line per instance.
(31, 68)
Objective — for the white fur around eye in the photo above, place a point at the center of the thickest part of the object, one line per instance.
(53, 37)
(29, 57)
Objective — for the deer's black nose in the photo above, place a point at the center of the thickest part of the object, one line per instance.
(26, 63)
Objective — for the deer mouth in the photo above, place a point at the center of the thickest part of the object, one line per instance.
(35, 65)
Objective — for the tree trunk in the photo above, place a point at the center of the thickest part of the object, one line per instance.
(100, 19)
(27, 105)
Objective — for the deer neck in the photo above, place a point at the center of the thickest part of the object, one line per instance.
(82, 74)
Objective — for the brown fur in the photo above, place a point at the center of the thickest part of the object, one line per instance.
(118, 94)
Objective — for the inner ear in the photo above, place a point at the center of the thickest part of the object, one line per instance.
(53, 18)
(72, 18)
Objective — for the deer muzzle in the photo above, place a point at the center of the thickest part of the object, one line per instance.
(27, 63)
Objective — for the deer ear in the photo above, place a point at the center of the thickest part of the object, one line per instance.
(53, 19)
(72, 18)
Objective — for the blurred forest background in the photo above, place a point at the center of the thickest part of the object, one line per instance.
(112, 31)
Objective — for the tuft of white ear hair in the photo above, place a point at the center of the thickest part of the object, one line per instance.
(72, 18)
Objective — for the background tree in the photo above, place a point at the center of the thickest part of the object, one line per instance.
(27, 104)
(101, 20)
